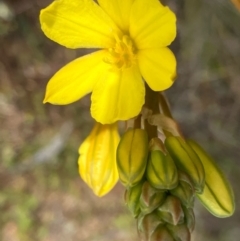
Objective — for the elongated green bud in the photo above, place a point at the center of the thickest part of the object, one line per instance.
(161, 171)
(132, 196)
(217, 196)
(132, 156)
(151, 198)
(186, 160)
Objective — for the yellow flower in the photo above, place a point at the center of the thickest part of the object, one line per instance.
(132, 36)
(97, 161)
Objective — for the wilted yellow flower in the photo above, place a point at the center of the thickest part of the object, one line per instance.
(97, 161)
(133, 35)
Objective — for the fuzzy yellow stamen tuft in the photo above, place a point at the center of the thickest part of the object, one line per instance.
(123, 54)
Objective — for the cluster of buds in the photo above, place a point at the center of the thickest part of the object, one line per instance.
(162, 180)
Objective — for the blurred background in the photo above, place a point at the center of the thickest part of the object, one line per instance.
(42, 197)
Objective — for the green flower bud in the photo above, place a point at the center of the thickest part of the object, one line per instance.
(147, 224)
(161, 170)
(189, 218)
(151, 198)
(171, 211)
(184, 191)
(186, 160)
(132, 196)
(179, 232)
(185, 178)
(217, 196)
(132, 156)
(161, 234)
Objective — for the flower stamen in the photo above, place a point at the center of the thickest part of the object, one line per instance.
(123, 54)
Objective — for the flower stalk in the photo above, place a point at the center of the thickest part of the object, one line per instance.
(162, 171)
(162, 200)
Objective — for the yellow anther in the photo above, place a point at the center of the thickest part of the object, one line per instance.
(122, 55)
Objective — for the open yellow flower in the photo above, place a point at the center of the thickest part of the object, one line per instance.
(132, 36)
(97, 161)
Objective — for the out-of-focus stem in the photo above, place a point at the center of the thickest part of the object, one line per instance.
(137, 122)
(151, 102)
(164, 105)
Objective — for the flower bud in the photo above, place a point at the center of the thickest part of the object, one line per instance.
(97, 161)
(184, 191)
(147, 224)
(132, 153)
(186, 160)
(189, 218)
(161, 234)
(179, 232)
(217, 196)
(151, 198)
(161, 171)
(171, 211)
(132, 196)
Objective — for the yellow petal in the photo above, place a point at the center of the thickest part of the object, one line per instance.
(118, 95)
(158, 67)
(75, 80)
(151, 24)
(119, 11)
(236, 3)
(77, 23)
(97, 161)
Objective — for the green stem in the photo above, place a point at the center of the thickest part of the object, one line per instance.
(164, 105)
(137, 122)
(151, 102)
(167, 112)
